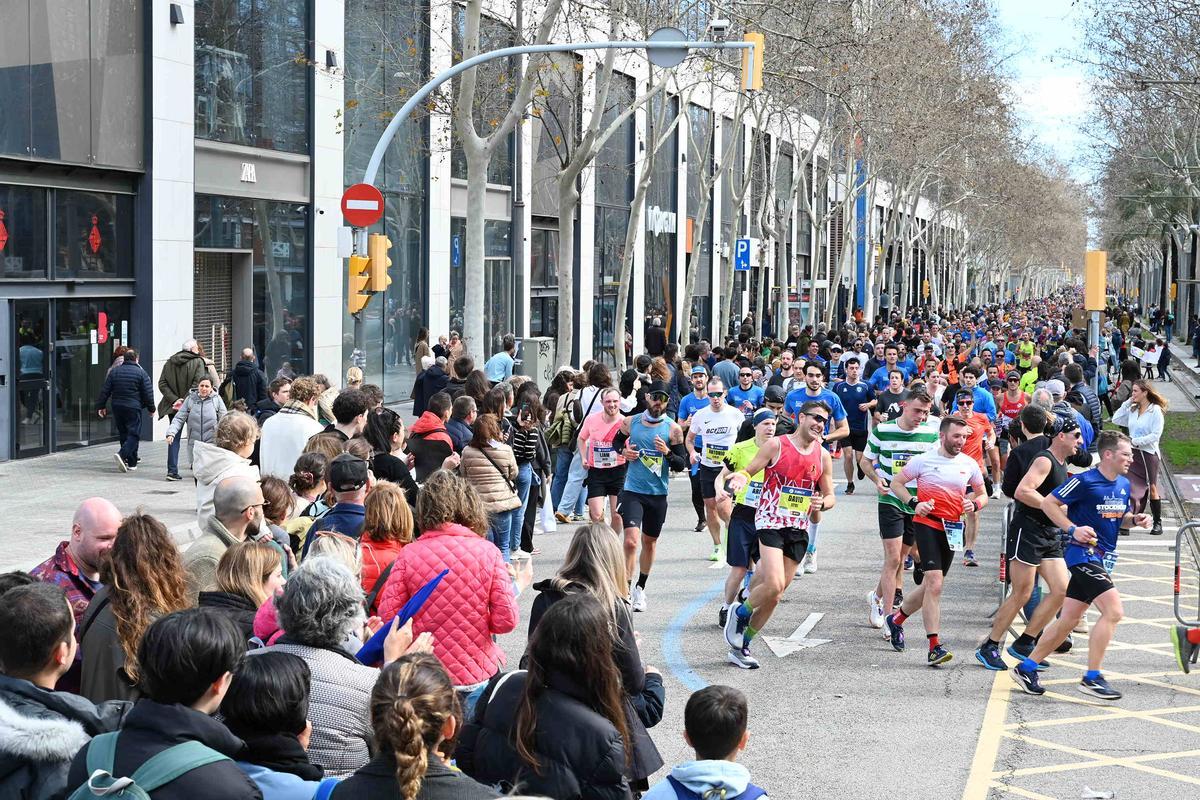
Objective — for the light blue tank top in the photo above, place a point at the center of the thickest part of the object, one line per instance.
(649, 474)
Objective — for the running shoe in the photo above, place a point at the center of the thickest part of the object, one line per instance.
(1020, 654)
(121, 465)
(810, 563)
(722, 616)
(133, 467)
(908, 563)
(1098, 687)
(897, 600)
(740, 657)
(1185, 651)
(174, 476)
(577, 518)
(1065, 645)
(715, 555)
(1028, 681)
(895, 633)
(989, 655)
(699, 526)
(637, 598)
(969, 559)
(850, 487)
(874, 610)
(744, 593)
(735, 627)
(938, 656)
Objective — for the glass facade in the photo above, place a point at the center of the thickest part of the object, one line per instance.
(278, 236)
(93, 234)
(700, 164)
(613, 174)
(87, 331)
(660, 216)
(733, 144)
(23, 225)
(499, 280)
(493, 94)
(543, 282)
(71, 81)
(252, 62)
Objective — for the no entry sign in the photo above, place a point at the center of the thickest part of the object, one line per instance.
(362, 205)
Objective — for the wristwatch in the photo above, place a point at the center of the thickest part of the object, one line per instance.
(1071, 531)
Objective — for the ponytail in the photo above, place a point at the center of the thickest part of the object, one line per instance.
(410, 703)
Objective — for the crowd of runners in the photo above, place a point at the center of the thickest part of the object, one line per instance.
(341, 607)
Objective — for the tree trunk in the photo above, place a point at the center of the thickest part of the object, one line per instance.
(568, 201)
(474, 334)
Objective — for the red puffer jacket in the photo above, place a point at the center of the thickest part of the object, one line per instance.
(376, 556)
(474, 601)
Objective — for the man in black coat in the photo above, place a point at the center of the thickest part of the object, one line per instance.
(129, 388)
(656, 338)
(434, 379)
(249, 382)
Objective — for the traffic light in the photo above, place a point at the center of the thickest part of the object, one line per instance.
(378, 247)
(356, 296)
(752, 69)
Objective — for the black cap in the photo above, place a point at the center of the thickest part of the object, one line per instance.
(658, 387)
(774, 394)
(347, 473)
(964, 393)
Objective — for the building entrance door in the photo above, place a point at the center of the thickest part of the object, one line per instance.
(212, 312)
(31, 337)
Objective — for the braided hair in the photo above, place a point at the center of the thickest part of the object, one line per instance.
(410, 704)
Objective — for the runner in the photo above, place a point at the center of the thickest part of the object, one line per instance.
(890, 446)
(688, 406)
(857, 398)
(651, 444)
(1090, 508)
(943, 477)
(773, 399)
(797, 480)
(1033, 548)
(888, 404)
(1011, 403)
(746, 397)
(605, 466)
(741, 545)
(716, 426)
(980, 441)
(1187, 644)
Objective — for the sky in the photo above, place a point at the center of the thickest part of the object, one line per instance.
(1051, 90)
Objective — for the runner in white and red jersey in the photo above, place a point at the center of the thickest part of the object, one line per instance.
(943, 478)
(797, 483)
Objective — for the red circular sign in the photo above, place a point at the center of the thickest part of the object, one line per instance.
(362, 205)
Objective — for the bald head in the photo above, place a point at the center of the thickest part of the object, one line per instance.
(233, 496)
(93, 531)
(192, 346)
(247, 354)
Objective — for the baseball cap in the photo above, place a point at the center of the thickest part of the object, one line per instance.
(762, 415)
(699, 370)
(347, 473)
(774, 394)
(1055, 387)
(961, 393)
(658, 387)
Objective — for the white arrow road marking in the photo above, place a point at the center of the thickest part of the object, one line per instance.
(781, 646)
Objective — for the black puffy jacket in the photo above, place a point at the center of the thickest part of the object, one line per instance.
(249, 383)
(581, 754)
(128, 386)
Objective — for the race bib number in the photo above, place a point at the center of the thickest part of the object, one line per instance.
(795, 501)
(1109, 561)
(604, 456)
(715, 453)
(954, 534)
(753, 494)
(651, 460)
(898, 462)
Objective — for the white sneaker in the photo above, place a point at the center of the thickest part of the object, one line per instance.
(875, 614)
(637, 598)
(121, 465)
(809, 565)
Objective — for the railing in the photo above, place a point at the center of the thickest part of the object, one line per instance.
(1187, 536)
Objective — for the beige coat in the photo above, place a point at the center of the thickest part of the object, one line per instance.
(493, 487)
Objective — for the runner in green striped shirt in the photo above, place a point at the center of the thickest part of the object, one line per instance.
(889, 447)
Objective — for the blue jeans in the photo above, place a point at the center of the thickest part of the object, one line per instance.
(524, 479)
(129, 431)
(562, 465)
(573, 496)
(502, 524)
(173, 454)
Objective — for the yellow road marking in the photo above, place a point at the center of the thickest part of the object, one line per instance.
(991, 731)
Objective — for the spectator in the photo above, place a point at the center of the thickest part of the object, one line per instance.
(246, 381)
(656, 338)
(326, 393)
(285, 433)
(278, 393)
(429, 443)
(267, 708)
(349, 478)
(595, 564)
(354, 378)
(414, 712)
(308, 496)
(227, 456)
(1073, 374)
(187, 660)
(714, 721)
(374, 395)
(489, 465)
(277, 510)
(442, 348)
(477, 386)
(558, 729)
(350, 414)
(238, 517)
(143, 579)
(200, 412)
(387, 527)
(474, 602)
(385, 432)
(435, 379)
(180, 375)
(1144, 413)
(247, 574)
(421, 348)
(460, 369)
(463, 414)
(130, 390)
(500, 366)
(41, 730)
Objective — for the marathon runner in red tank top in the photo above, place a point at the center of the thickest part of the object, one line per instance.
(797, 481)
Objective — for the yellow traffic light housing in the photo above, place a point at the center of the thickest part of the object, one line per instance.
(752, 63)
(378, 247)
(356, 296)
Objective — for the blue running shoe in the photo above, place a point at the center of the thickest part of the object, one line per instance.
(1098, 687)
(989, 655)
(1028, 681)
(1021, 656)
(895, 633)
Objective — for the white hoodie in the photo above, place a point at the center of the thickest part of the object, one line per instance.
(211, 465)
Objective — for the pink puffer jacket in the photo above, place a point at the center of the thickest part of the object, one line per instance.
(474, 601)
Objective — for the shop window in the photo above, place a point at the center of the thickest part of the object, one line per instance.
(93, 234)
(23, 232)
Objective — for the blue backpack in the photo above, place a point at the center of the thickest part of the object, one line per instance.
(683, 793)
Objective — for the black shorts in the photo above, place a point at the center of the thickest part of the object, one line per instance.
(605, 482)
(1088, 581)
(857, 440)
(933, 551)
(895, 524)
(708, 480)
(741, 546)
(1031, 542)
(645, 511)
(792, 541)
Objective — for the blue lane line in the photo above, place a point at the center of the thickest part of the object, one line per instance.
(673, 651)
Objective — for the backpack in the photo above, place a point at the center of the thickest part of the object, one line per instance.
(683, 793)
(160, 770)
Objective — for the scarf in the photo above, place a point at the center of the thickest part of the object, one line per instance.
(281, 753)
(296, 407)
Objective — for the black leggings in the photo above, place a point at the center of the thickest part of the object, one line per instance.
(531, 513)
(697, 497)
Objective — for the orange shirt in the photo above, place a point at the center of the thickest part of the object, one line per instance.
(980, 427)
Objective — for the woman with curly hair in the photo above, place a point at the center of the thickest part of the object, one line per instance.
(143, 580)
(415, 715)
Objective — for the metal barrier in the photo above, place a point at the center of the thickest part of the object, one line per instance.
(1188, 535)
(1002, 578)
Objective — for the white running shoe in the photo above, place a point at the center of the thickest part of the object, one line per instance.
(810, 563)
(875, 614)
(121, 465)
(741, 658)
(637, 598)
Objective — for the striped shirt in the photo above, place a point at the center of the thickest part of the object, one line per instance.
(890, 447)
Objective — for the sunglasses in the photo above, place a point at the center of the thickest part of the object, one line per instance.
(716, 394)
(745, 374)
(966, 402)
(818, 418)
(661, 397)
